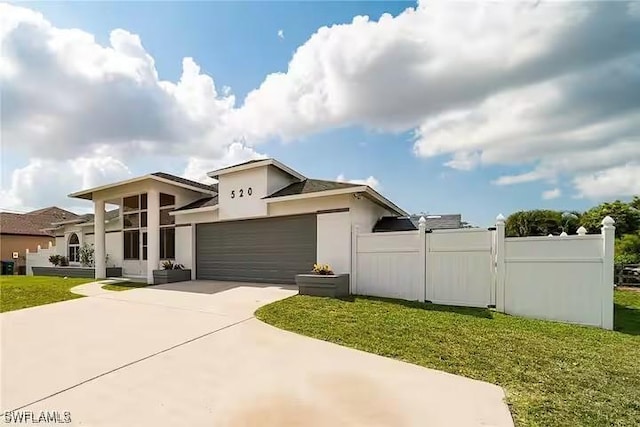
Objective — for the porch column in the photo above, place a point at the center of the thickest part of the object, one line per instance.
(99, 242)
(153, 233)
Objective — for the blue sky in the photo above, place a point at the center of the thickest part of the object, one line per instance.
(237, 45)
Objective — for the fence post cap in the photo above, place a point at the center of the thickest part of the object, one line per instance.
(582, 231)
(563, 234)
(422, 221)
(549, 235)
(608, 221)
(500, 219)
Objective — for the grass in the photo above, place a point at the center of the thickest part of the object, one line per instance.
(18, 292)
(123, 286)
(553, 374)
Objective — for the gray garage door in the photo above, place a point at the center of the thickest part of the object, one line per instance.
(269, 250)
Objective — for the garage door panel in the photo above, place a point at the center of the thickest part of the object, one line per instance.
(265, 250)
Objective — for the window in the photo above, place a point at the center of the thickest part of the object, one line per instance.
(132, 244)
(167, 243)
(131, 220)
(167, 199)
(131, 203)
(144, 245)
(165, 218)
(74, 248)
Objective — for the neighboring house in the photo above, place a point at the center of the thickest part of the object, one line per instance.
(19, 232)
(262, 221)
(433, 222)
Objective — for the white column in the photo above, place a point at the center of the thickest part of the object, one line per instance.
(99, 254)
(153, 233)
(608, 235)
(422, 230)
(354, 259)
(500, 263)
(194, 256)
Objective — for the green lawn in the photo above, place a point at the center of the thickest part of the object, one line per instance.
(554, 374)
(123, 286)
(18, 292)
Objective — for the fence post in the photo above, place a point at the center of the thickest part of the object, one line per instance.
(608, 235)
(422, 253)
(354, 259)
(500, 263)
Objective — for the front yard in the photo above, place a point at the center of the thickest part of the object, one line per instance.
(18, 292)
(553, 374)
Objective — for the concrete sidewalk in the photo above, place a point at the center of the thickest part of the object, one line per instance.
(194, 355)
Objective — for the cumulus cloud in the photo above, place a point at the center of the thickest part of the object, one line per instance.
(615, 181)
(46, 182)
(371, 181)
(551, 194)
(552, 87)
(197, 167)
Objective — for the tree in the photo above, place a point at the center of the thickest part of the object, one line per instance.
(628, 249)
(626, 217)
(635, 203)
(538, 222)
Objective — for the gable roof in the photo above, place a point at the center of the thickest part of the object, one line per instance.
(310, 186)
(200, 203)
(158, 176)
(393, 223)
(32, 223)
(254, 164)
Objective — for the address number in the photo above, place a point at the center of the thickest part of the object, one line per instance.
(241, 192)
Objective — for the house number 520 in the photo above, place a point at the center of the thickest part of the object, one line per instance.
(241, 192)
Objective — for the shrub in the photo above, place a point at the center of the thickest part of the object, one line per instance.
(64, 261)
(168, 265)
(322, 269)
(55, 260)
(86, 255)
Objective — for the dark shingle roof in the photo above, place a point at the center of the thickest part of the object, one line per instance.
(310, 186)
(109, 215)
(32, 223)
(200, 203)
(439, 222)
(180, 180)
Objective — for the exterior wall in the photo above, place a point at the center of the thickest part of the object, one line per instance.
(19, 243)
(334, 241)
(277, 180)
(185, 251)
(315, 204)
(232, 186)
(365, 213)
(197, 217)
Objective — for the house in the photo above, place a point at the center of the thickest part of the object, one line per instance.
(22, 231)
(262, 221)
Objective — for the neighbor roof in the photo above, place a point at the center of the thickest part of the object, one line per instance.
(439, 222)
(393, 223)
(32, 223)
(310, 186)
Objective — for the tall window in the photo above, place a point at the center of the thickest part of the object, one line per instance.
(74, 248)
(167, 227)
(134, 218)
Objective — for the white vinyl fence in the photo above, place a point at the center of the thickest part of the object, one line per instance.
(564, 278)
(40, 258)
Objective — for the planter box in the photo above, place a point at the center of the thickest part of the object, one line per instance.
(88, 272)
(335, 285)
(170, 276)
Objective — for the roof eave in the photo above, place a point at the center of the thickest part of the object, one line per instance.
(194, 210)
(266, 162)
(88, 194)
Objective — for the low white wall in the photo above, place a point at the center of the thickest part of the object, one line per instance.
(40, 258)
(459, 267)
(334, 241)
(389, 265)
(556, 278)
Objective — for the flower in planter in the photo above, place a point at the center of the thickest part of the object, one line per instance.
(168, 265)
(322, 269)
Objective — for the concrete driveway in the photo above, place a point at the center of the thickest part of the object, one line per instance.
(193, 354)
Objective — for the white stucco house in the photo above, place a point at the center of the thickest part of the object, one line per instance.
(262, 221)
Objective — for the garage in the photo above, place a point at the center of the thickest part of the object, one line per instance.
(271, 250)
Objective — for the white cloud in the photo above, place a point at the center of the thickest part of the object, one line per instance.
(371, 181)
(281, 34)
(548, 86)
(46, 182)
(551, 194)
(616, 181)
(197, 167)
